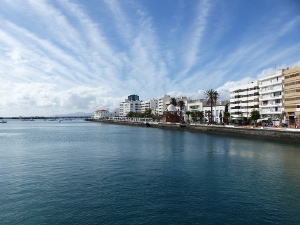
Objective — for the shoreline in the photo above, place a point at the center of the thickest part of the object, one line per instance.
(285, 135)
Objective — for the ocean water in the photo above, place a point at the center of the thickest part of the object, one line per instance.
(77, 172)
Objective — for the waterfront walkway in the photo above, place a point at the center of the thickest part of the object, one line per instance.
(279, 134)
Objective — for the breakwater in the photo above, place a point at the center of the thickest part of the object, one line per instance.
(284, 135)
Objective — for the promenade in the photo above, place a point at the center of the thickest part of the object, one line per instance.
(271, 133)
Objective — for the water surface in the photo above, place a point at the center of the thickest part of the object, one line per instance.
(77, 172)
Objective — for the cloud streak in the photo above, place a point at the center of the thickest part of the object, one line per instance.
(62, 56)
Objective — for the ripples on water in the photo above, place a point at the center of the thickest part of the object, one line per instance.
(92, 173)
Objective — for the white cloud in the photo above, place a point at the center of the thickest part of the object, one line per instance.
(56, 56)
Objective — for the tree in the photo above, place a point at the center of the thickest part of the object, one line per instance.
(197, 116)
(226, 117)
(130, 114)
(200, 115)
(148, 113)
(188, 113)
(181, 104)
(221, 117)
(254, 115)
(173, 101)
(211, 98)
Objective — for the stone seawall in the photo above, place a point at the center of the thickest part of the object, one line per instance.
(278, 135)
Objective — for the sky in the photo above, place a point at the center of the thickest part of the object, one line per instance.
(67, 56)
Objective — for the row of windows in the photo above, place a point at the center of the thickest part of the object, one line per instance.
(275, 101)
(249, 89)
(293, 75)
(292, 99)
(245, 107)
(239, 102)
(292, 91)
(292, 106)
(292, 83)
(242, 96)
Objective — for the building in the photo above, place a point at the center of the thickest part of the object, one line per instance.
(102, 114)
(217, 111)
(170, 115)
(132, 104)
(133, 98)
(162, 103)
(244, 99)
(195, 105)
(150, 104)
(271, 97)
(291, 88)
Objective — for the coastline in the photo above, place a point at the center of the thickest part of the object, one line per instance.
(284, 135)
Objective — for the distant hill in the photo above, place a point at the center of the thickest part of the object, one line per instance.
(75, 114)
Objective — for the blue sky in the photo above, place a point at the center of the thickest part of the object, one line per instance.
(65, 56)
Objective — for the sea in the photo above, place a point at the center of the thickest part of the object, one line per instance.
(79, 172)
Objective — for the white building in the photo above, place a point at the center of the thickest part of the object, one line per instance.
(244, 99)
(132, 104)
(271, 97)
(195, 105)
(102, 114)
(150, 104)
(162, 103)
(217, 111)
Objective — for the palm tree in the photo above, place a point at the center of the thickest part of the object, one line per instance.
(211, 98)
(181, 104)
(173, 101)
(188, 113)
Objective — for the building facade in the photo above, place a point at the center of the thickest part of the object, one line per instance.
(132, 104)
(102, 114)
(150, 104)
(291, 88)
(162, 101)
(271, 97)
(195, 105)
(244, 99)
(217, 111)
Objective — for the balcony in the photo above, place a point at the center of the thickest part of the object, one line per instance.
(270, 105)
(270, 82)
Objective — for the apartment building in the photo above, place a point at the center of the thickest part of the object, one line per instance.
(132, 104)
(291, 88)
(244, 99)
(271, 97)
(162, 104)
(150, 104)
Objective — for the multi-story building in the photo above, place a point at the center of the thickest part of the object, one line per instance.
(150, 104)
(162, 104)
(184, 99)
(132, 104)
(244, 99)
(271, 97)
(291, 88)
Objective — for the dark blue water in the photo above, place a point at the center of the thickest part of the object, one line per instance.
(92, 173)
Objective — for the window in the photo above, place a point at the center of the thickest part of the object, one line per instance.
(278, 93)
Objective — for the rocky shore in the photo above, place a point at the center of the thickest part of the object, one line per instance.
(283, 134)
